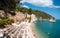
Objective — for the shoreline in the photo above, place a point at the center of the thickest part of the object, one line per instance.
(35, 35)
(32, 32)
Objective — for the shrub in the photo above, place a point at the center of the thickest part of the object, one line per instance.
(6, 21)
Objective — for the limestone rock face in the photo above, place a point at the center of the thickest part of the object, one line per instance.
(18, 17)
(1, 14)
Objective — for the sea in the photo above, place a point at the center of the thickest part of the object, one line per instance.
(47, 29)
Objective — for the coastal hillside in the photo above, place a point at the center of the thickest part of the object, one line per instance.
(10, 5)
(10, 12)
(37, 13)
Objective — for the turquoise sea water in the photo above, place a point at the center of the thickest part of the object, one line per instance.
(47, 29)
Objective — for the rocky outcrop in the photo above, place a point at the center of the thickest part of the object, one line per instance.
(1, 14)
(18, 17)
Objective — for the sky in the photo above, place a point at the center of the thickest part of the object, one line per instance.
(51, 7)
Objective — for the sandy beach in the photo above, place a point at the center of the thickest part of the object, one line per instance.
(33, 31)
(21, 30)
(16, 28)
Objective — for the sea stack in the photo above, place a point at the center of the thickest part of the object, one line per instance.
(52, 20)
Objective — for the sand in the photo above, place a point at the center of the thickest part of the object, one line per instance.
(34, 35)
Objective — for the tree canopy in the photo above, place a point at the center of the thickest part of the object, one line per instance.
(9, 4)
(37, 13)
(30, 11)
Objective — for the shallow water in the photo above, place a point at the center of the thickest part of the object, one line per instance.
(47, 29)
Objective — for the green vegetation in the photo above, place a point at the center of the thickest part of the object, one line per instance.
(29, 11)
(37, 13)
(26, 11)
(42, 14)
(6, 21)
(12, 5)
(9, 5)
